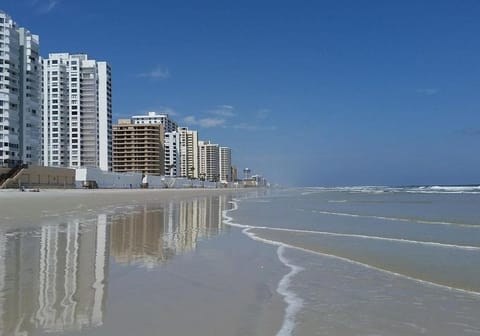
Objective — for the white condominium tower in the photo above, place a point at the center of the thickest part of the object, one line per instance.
(77, 112)
(153, 118)
(20, 94)
(172, 154)
(208, 155)
(188, 153)
(225, 163)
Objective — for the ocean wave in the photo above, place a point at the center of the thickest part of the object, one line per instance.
(397, 240)
(474, 189)
(247, 230)
(397, 219)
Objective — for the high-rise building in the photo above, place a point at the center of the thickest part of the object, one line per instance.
(208, 158)
(172, 154)
(138, 148)
(225, 164)
(77, 112)
(172, 144)
(153, 118)
(188, 153)
(20, 94)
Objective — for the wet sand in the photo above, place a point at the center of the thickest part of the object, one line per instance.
(133, 262)
(31, 208)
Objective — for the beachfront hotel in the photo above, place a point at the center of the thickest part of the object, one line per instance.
(138, 148)
(77, 112)
(208, 158)
(189, 165)
(20, 97)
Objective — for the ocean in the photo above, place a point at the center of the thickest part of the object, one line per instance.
(373, 260)
(307, 261)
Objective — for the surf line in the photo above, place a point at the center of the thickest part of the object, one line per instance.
(396, 240)
(293, 301)
(395, 219)
(247, 228)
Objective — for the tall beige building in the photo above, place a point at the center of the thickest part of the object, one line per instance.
(138, 148)
(188, 153)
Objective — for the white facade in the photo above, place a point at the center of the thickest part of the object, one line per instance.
(77, 112)
(153, 118)
(19, 94)
(188, 153)
(172, 154)
(208, 158)
(225, 164)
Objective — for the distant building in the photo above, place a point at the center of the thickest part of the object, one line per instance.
(77, 112)
(138, 148)
(20, 94)
(188, 153)
(208, 158)
(234, 173)
(153, 118)
(172, 154)
(246, 173)
(225, 164)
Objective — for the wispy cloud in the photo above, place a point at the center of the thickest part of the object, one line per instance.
(161, 109)
(45, 6)
(262, 113)
(159, 72)
(250, 127)
(204, 122)
(428, 92)
(223, 111)
(469, 131)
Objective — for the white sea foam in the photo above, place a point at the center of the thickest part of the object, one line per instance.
(294, 303)
(412, 189)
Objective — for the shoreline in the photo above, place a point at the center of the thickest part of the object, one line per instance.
(35, 208)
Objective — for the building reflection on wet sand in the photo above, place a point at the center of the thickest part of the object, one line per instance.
(55, 278)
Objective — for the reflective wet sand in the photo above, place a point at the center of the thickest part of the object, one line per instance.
(133, 264)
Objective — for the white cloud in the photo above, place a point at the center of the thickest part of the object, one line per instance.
(204, 122)
(262, 113)
(223, 111)
(158, 72)
(428, 92)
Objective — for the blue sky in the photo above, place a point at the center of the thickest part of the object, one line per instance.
(304, 92)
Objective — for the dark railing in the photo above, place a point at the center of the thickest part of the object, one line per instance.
(11, 173)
